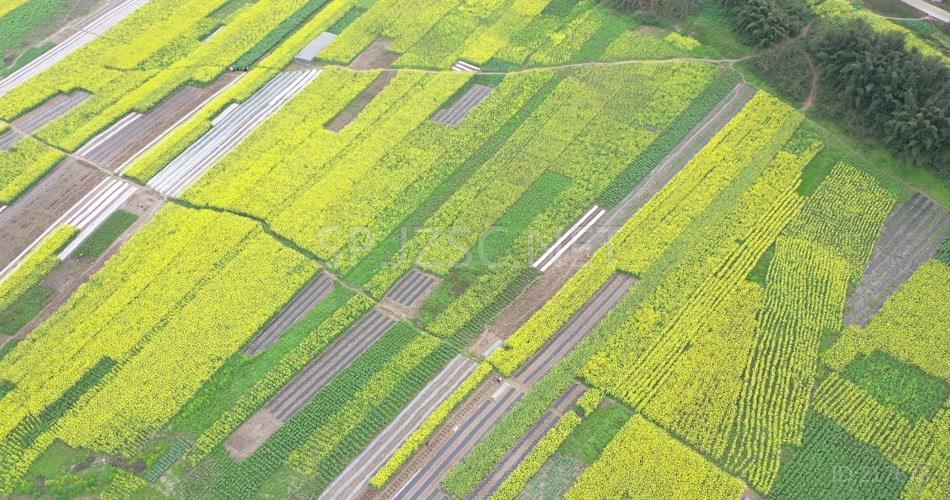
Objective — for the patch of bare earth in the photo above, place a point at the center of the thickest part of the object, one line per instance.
(244, 441)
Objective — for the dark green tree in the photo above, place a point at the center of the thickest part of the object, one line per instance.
(880, 87)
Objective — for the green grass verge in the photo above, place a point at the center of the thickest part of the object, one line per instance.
(833, 464)
(105, 235)
(915, 393)
(590, 438)
(26, 307)
(25, 58)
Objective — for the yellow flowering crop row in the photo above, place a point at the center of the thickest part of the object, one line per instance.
(35, 266)
(169, 308)
(912, 325)
(429, 426)
(643, 461)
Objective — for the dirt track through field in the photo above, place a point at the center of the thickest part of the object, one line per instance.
(911, 236)
(528, 442)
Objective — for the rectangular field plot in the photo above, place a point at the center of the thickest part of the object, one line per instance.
(228, 133)
(334, 359)
(576, 329)
(352, 482)
(116, 147)
(426, 482)
(88, 30)
(412, 288)
(454, 114)
(86, 215)
(527, 443)
(911, 235)
(301, 304)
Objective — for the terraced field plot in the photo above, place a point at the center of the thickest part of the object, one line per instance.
(453, 249)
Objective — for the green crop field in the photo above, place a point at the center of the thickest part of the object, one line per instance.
(474, 248)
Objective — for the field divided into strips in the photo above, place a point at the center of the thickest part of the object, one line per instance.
(305, 300)
(221, 276)
(468, 424)
(85, 216)
(36, 118)
(767, 171)
(517, 455)
(526, 227)
(911, 236)
(553, 358)
(215, 348)
(86, 31)
(353, 480)
(119, 145)
(467, 36)
(319, 440)
(298, 392)
(884, 405)
(814, 261)
(229, 132)
(149, 56)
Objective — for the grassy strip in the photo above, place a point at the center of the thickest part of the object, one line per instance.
(26, 432)
(26, 57)
(433, 422)
(5, 387)
(26, 307)
(669, 139)
(943, 254)
(278, 34)
(35, 266)
(590, 438)
(17, 25)
(346, 20)
(106, 234)
(390, 247)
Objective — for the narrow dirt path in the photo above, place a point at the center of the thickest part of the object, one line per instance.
(813, 91)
